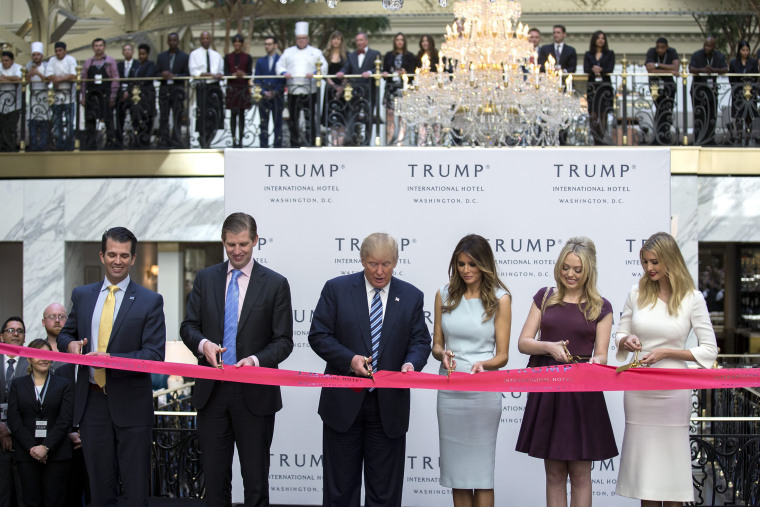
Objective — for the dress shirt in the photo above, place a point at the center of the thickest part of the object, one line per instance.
(384, 298)
(243, 280)
(127, 67)
(95, 326)
(110, 71)
(298, 63)
(9, 106)
(65, 67)
(197, 63)
(360, 57)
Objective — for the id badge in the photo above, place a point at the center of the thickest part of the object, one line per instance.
(169, 81)
(3, 412)
(40, 429)
(597, 79)
(711, 80)
(396, 78)
(98, 79)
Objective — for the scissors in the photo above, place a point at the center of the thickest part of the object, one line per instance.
(219, 362)
(450, 368)
(368, 365)
(571, 358)
(636, 363)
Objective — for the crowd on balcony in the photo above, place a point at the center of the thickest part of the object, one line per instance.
(205, 99)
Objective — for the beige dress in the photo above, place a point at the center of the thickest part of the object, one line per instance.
(655, 462)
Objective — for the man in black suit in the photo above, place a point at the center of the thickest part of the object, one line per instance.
(565, 57)
(13, 367)
(363, 102)
(171, 96)
(365, 322)
(127, 69)
(114, 408)
(144, 112)
(242, 310)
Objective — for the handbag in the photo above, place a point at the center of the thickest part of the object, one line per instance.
(533, 361)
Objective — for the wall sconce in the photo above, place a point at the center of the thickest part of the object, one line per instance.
(152, 272)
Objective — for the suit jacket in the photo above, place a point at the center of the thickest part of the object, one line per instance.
(606, 62)
(263, 69)
(180, 67)
(139, 332)
(265, 329)
(19, 371)
(340, 330)
(568, 60)
(352, 66)
(24, 411)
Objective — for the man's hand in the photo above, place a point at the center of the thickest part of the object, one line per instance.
(246, 361)
(4, 431)
(75, 439)
(39, 452)
(76, 346)
(6, 443)
(359, 365)
(366, 73)
(407, 367)
(211, 351)
(98, 353)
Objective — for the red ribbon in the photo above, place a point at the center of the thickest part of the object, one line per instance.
(562, 378)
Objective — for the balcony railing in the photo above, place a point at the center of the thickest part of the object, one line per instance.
(633, 109)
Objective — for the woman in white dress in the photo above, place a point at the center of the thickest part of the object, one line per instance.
(473, 317)
(655, 463)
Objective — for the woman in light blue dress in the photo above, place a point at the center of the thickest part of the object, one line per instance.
(473, 316)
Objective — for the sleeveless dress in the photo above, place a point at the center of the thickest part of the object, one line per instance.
(468, 421)
(655, 463)
(567, 426)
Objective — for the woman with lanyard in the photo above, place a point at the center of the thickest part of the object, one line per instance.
(40, 411)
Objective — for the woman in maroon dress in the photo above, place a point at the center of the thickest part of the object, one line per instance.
(568, 430)
(238, 64)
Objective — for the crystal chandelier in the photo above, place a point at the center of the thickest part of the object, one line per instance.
(493, 93)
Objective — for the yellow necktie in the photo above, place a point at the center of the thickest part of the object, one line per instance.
(104, 330)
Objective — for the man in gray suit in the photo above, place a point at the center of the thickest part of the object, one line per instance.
(13, 333)
(241, 310)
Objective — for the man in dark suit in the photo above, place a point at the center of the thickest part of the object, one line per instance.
(363, 102)
(127, 69)
(13, 367)
(242, 310)
(171, 96)
(114, 408)
(565, 57)
(144, 112)
(365, 322)
(271, 94)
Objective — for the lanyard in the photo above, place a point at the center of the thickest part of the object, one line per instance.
(41, 394)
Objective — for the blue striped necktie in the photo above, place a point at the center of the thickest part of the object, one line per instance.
(231, 319)
(375, 325)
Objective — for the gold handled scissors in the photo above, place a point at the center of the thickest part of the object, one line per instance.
(450, 368)
(570, 358)
(219, 362)
(368, 365)
(636, 363)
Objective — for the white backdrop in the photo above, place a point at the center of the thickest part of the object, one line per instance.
(313, 208)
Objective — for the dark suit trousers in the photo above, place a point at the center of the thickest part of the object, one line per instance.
(275, 107)
(10, 482)
(224, 422)
(44, 484)
(365, 441)
(107, 446)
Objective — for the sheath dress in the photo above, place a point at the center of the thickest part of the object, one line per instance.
(655, 463)
(567, 426)
(468, 421)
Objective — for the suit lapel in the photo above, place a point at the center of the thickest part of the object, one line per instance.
(126, 305)
(85, 322)
(218, 285)
(255, 288)
(361, 307)
(391, 315)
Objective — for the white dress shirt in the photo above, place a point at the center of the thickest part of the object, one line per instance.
(65, 67)
(298, 63)
(197, 63)
(7, 89)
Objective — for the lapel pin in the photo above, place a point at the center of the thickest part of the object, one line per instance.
(397, 299)
(131, 297)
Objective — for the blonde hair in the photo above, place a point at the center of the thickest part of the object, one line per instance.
(329, 49)
(479, 250)
(585, 249)
(378, 244)
(670, 260)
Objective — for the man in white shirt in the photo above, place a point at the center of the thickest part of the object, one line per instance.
(61, 73)
(10, 102)
(299, 64)
(39, 109)
(209, 114)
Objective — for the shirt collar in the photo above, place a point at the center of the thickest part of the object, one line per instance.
(371, 288)
(122, 284)
(247, 269)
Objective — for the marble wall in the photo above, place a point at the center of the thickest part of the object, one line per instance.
(46, 214)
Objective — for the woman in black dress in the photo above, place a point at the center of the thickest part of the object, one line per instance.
(396, 64)
(429, 53)
(40, 411)
(334, 108)
(238, 64)
(598, 63)
(743, 104)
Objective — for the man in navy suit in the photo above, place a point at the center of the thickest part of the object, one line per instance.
(171, 95)
(114, 408)
(363, 102)
(144, 112)
(241, 310)
(127, 69)
(564, 56)
(271, 94)
(363, 323)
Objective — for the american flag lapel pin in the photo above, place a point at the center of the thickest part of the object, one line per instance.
(397, 299)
